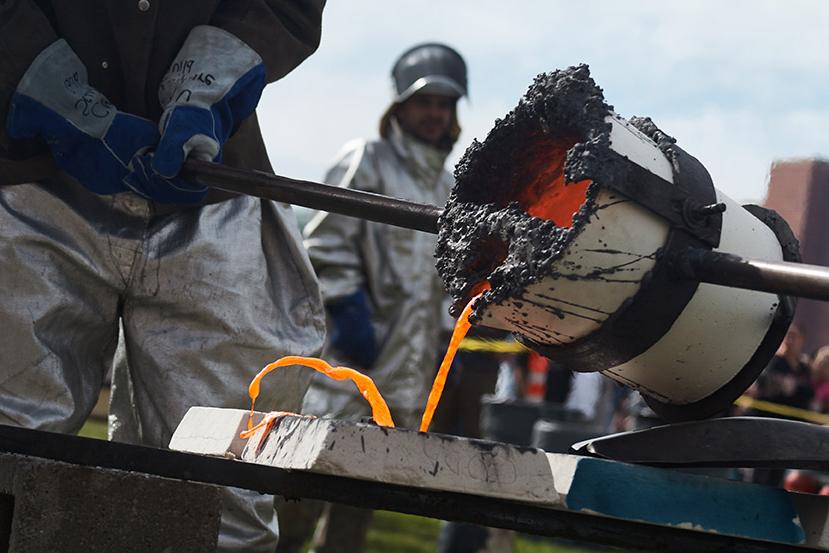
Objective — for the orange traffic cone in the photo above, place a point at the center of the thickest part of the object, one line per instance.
(537, 368)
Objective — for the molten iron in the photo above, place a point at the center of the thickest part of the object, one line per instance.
(379, 410)
(547, 195)
(461, 328)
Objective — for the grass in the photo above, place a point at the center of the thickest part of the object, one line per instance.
(94, 429)
(399, 533)
(395, 532)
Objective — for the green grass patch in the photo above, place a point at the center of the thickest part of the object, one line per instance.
(93, 428)
(399, 533)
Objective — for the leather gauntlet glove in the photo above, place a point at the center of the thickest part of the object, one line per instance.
(214, 83)
(89, 138)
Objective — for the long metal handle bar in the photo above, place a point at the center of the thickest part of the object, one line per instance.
(779, 277)
(796, 279)
(324, 197)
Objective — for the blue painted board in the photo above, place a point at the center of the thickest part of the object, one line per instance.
(674, 498)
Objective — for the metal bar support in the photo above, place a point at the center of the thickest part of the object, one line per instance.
(778, 277)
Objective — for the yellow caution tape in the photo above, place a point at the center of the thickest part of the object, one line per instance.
(785, 410)
(491, 346)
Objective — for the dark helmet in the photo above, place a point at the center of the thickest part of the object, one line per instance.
(432, 68)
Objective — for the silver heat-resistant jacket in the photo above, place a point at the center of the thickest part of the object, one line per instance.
(206, 295)
(394, 266)
(206, 298)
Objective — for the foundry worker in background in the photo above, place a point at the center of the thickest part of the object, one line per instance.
(210, 287)
(384, 298)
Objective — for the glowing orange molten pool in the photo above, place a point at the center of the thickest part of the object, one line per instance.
(546, 195)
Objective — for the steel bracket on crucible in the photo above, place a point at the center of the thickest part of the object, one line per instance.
(403, 459)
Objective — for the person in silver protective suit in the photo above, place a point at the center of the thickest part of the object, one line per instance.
(100, 104)
(387, 308)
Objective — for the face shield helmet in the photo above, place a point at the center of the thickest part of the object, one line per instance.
(430, 68)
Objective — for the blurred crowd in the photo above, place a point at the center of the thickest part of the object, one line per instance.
(794, 385)
(794, 378)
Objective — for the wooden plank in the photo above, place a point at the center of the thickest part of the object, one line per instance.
(678, 499)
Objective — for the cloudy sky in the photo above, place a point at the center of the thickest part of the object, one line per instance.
(739, 83)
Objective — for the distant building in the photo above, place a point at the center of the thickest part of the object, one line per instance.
(799, 191)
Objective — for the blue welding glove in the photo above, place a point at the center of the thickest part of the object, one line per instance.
(89, 138)
(213, 84)
(353, 333)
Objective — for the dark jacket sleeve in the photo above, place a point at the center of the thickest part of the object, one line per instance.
(283, 32)
(24, 32)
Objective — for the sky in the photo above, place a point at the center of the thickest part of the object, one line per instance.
(738, 83)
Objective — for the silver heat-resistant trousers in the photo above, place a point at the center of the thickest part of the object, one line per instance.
(206, 296)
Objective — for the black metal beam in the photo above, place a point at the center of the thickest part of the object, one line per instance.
(354, 203)
(405, 499)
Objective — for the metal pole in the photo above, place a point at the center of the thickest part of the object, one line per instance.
(354, 203)
(779, 277)
(795, 279)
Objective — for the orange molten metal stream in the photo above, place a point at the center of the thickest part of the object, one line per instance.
(548, 196)
(379, 409)
(461, 328)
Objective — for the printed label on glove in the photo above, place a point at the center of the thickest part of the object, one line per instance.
(91, 103)
(57, 79)
(208, 65)
(175, 82)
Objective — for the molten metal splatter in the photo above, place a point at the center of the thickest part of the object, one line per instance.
(266, 423)
(379, 410)
(461, 328)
